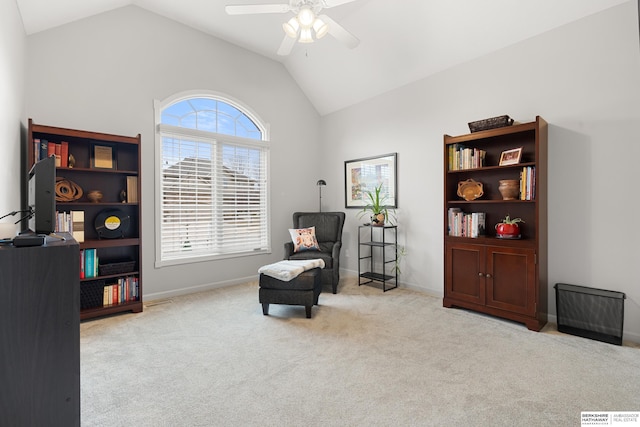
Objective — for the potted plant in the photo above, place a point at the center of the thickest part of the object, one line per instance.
(508, 228)
(376, 206)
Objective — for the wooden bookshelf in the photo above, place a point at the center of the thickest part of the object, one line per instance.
(111, 181)
(500, 277)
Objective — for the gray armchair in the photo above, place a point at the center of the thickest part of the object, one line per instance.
(329, 235)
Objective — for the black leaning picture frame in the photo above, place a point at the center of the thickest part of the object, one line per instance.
(367, 173)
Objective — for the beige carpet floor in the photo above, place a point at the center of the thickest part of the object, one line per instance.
(366, 358)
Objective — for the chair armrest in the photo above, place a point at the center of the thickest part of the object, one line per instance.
(288, 250)
(335, 252)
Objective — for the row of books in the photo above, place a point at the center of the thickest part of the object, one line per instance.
(461, 157)
(528, 183)
(43, 149)
(125, 290)
(71, 222)
(462, 224)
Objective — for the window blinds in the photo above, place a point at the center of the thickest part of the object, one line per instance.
(213, 197)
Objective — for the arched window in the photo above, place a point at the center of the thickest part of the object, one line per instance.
(212, 163)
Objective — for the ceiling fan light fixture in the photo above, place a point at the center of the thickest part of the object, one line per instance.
(291, 27)
(321, 28)
(306, 17)
(305, 35)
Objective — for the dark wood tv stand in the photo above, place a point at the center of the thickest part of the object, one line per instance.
(40, 334)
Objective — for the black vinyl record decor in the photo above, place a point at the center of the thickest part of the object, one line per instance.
(112, 224)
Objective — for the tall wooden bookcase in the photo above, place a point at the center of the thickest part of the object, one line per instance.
(501, 277)
(113, 175)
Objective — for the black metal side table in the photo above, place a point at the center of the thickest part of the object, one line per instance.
(378, 255)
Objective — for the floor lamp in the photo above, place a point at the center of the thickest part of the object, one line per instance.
(321, 183)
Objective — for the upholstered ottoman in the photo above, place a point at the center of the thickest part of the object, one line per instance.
(304, 289)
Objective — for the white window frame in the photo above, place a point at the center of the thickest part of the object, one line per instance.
(197, 134)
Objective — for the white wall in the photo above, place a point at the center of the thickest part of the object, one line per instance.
(584, 79)
(103, 73)
(12, 65)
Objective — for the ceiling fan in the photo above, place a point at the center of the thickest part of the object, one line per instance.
(306, 22)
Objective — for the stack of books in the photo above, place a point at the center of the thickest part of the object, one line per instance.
(528, 183)
(124, 290)
(461, 157)
(463, 224)
(43, 149)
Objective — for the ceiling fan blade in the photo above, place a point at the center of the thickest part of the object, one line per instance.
(247, 9)
(333, 3)
(338, 31)
(286, 46)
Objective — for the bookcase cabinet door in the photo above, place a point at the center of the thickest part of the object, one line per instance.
(511, 279)
(465, 266)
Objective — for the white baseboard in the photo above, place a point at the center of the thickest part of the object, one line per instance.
(193, 289)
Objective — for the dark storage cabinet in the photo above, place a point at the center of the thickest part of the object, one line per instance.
(40, 335)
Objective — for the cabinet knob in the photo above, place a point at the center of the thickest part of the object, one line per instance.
(488, 276)
(481, 274)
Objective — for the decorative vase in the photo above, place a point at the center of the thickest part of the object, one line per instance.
(507, 231)
(509, 188)
(377, 220)
(94, 196)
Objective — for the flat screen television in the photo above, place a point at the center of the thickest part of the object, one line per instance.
(42, 196)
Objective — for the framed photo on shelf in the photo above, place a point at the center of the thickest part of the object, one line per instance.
(362, 175)
(103, 156)
(510, 157)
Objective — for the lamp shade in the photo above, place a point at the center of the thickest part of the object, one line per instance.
(321, 182)
(291, 27)
(320, 27)
(305, 35)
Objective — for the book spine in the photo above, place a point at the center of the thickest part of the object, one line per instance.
(482, 223)
(51, 149)
(132, 189)
(533, 183)
(77, 225)
(36, 150)
(58, 153)
(64, 154)
(89, 260)
(82, 264)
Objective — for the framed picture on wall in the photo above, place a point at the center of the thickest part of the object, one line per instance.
(362, 175)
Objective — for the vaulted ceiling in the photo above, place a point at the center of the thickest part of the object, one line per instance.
(401, 41)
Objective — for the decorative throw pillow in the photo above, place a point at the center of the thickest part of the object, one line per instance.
(304, 239)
